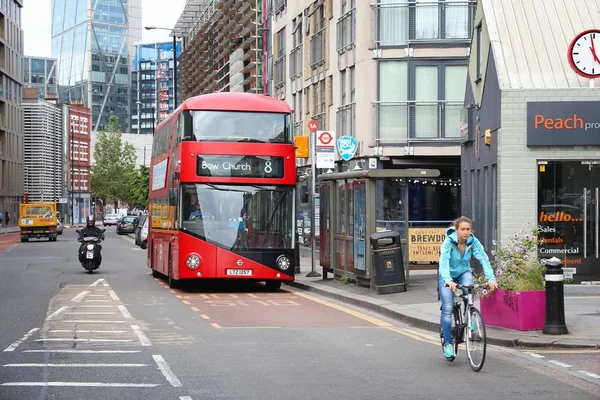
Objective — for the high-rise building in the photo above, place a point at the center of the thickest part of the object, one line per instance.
(42, 147)
(93, 42)
(152, 85)
(11, 114)
(40, 73)
(224, 47)
(78, 133)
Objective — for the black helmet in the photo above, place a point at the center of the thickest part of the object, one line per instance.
(90, 221)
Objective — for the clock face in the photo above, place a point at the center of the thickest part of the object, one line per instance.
(584, 54)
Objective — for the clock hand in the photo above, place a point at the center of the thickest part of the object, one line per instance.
(593, 49)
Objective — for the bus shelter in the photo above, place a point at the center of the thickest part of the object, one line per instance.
(354, 205)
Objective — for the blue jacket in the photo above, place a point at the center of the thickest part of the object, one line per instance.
(453, 264)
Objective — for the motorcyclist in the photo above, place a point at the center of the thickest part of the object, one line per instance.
(89, 231)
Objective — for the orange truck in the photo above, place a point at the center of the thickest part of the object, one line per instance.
(38, 220)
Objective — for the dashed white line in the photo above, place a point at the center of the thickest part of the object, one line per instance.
(91, 313)
(97, 295)
(82, 331)
(97, 300)
(166, 370)
(143, 338)
(92, 321)
(55, 313)
(535, 355)
(100, 281)
(185, 398)
(113, 295)
(590, 374)
(80, 296)
(84, 351)
(560, 364)
(81, 340)
(94, 306)
(81, 384)
(16, 344)
(124, 311)
(78, 365)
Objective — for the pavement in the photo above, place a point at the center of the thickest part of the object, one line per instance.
(420, 307)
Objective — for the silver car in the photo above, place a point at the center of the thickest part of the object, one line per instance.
(111, 219)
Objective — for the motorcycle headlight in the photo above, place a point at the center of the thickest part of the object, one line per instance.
(90, 247)
(193, 261)
(283, 262)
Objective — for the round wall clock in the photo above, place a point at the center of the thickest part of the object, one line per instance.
(584, 54)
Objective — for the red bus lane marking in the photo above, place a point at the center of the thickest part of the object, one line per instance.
(273, 310)
(8, 240)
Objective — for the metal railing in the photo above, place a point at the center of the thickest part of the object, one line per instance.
(279, 72)
(401, 122)
(346, 31)
(320, 118)
(403, 22)
(346, 120)
(317, 49)
(296, 62)
(278, 5)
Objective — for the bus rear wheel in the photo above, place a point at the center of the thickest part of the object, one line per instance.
(273, 286)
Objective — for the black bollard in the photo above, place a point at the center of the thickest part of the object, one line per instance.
(555, 298)
(297, 254)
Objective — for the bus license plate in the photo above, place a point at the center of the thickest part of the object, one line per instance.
(90, 255)
(239, 272)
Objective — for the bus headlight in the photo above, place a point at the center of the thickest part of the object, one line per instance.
(192, 261)
(283, 262)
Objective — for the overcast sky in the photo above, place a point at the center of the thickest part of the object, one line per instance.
(36, 23)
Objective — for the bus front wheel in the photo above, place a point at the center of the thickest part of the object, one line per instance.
(172, 282)
(273, 286)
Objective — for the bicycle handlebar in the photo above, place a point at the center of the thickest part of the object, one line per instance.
(459, 286)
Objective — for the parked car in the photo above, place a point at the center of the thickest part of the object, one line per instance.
(138, 229)
(59, 227)
(127, 224)
(144, 234)
(111, 219)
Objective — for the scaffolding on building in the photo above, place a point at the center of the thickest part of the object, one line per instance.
(223, 46)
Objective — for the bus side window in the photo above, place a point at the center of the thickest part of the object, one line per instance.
(184, 127)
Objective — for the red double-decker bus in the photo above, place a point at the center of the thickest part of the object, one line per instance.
(222, 191)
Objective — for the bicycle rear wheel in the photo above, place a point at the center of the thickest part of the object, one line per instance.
(476, 341)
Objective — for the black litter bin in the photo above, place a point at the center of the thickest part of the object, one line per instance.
(387, 262)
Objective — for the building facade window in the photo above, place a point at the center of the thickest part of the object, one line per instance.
(479, 55)
(402, 21)
(420, 99)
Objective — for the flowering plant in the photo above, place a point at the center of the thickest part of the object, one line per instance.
(516, 265)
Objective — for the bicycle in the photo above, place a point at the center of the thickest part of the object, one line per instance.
(467, 327)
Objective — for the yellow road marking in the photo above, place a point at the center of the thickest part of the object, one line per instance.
(179, 296)
(172, 291)
(564, 351)
(415, 335)
(357, 314)
(216, 326)
(193, 308)
(186, 302)
(204, 316)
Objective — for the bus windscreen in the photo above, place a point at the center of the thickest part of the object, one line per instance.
(237, 126)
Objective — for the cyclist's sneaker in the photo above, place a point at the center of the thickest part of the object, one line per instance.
(449, 350)
(473, 326)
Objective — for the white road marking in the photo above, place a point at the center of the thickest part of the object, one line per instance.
(94, 306)
(560, 364)
(124, 312)
(143, 338)
(185, 398)
(81, 340)
(97, 300)
(80, 296)
(99, 281)
(16, 344)
(166, 370)
(82, 321)
(91, 313)
(97, 295)
(590, 374)
(81, 384)
(84, 351)
(113, 295)
(536, 355)
(78, 365)
(82, 331)
(55, 313)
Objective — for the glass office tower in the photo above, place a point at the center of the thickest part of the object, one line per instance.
(93, 42)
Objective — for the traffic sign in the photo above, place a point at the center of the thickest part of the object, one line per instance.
(313, 125)
(325, 139)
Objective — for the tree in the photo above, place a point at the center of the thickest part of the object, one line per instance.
(115, 163)
(138, 188)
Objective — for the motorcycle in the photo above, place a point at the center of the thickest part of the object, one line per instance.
(91, 259)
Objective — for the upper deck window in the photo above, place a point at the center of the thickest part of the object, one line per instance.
(234, 126)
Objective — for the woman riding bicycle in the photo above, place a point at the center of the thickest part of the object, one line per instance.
(454, 267)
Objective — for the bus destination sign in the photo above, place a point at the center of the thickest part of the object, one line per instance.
(234, 166)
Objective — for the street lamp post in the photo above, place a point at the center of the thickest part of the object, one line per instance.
(149, 28)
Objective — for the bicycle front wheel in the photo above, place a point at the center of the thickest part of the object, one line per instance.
(475, 339)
